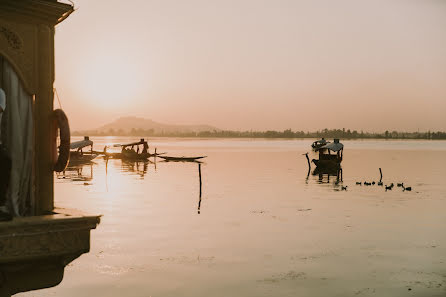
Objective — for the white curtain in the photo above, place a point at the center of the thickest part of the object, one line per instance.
(17, 136)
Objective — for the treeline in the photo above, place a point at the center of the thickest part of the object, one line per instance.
(326, 133)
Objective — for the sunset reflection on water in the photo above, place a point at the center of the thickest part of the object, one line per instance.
(265, 228)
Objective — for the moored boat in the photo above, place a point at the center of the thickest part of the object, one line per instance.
(319, 143)
(330, 155)
(77, 155)
(128, 151)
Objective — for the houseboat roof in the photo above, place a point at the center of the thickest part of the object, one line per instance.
(80, 144)
(50, 11)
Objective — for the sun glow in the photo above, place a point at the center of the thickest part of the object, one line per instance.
(110, 81)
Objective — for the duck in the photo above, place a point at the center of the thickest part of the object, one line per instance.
(344, 188)
(373, 182)
(407, 188)
(359, 183)
(400, 185)
(388, 187)
(392, 185)
(380, 183)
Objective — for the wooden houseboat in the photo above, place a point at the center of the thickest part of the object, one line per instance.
(40, 240)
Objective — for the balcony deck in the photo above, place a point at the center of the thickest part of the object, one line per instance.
(35, 250)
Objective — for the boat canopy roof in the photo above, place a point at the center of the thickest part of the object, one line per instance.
(142, 141)
(80, 144)
(334, 146)
(321, 141)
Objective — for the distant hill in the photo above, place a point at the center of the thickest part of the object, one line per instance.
(126, 124)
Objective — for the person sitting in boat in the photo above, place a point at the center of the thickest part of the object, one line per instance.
(5, 168)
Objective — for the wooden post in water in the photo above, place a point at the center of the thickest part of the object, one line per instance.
(381, 175)
(308, 160)
(199, 176)
(309, 164)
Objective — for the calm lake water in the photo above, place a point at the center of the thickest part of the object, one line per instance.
(264, 228)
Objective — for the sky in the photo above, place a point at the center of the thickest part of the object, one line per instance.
(255, 64)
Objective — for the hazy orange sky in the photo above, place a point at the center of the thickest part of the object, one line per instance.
(255, 64)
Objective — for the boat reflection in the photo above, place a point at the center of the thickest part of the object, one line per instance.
(135, 166)
(327, 175)
(117, 172)
(78, 173)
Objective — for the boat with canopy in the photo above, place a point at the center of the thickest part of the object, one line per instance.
(128, 151)
(319, 143)
(77, 155)
(330, 155)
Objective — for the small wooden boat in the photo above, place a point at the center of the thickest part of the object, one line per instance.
(181, 159)
(326, 158)
(78, 156)
(128, 151)
(318, 144)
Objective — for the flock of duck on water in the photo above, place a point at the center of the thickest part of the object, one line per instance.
(388, 187)
(380, 183)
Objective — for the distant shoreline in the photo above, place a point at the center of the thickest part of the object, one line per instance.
(286, 134)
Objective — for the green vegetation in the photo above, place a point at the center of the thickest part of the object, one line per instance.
(327, 133)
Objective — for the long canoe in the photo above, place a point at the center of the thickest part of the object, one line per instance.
(130, 156)
(185, 159)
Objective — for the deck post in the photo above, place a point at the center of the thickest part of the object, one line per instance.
(44, 107)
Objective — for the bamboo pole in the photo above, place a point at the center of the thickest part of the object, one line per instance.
(199, 176)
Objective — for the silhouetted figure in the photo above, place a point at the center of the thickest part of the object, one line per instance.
(145, 148)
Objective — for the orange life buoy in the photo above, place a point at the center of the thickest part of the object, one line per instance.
(60, 122)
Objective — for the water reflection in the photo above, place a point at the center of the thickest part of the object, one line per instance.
(80, 172)
(137, 167)
(113, 171)
(326, 176)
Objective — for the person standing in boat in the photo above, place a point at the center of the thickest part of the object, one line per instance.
(145, 148)
(5, 167)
